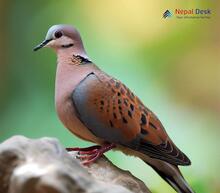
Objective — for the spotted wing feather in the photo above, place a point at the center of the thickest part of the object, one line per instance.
(112, 112)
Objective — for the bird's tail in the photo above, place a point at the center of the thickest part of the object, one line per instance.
(171, 174)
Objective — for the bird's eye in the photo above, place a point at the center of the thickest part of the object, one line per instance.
(58, 34)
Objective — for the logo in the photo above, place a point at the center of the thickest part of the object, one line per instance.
(193, 13)
(167, 14)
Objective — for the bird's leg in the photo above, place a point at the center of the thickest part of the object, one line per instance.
(83, 149)
(93, 155)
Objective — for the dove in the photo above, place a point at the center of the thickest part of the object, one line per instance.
(98, 108)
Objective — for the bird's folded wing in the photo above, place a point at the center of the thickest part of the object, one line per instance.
(112, 112)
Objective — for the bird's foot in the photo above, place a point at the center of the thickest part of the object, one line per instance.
(91, 154)
(83, 149)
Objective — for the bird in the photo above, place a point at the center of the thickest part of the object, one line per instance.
(99, 108)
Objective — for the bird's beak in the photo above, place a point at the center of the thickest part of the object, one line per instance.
(41, 45)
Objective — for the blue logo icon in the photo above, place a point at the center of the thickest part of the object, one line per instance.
(167, 14)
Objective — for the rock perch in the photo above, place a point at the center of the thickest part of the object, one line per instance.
(44, 166)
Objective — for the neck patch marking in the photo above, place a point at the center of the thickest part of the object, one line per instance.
(80, 60)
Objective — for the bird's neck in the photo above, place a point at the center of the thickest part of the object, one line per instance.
(69, 73)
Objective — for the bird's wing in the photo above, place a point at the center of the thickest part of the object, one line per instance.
(112, 112)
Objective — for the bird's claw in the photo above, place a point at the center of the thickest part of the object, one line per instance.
(91, 154)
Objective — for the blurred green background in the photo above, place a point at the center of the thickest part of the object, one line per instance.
(173, 65)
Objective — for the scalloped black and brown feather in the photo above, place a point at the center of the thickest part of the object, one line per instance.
(112, 112)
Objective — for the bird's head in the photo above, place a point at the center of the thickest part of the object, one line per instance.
(61, 38)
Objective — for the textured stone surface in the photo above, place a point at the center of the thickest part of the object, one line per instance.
(44, 166)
